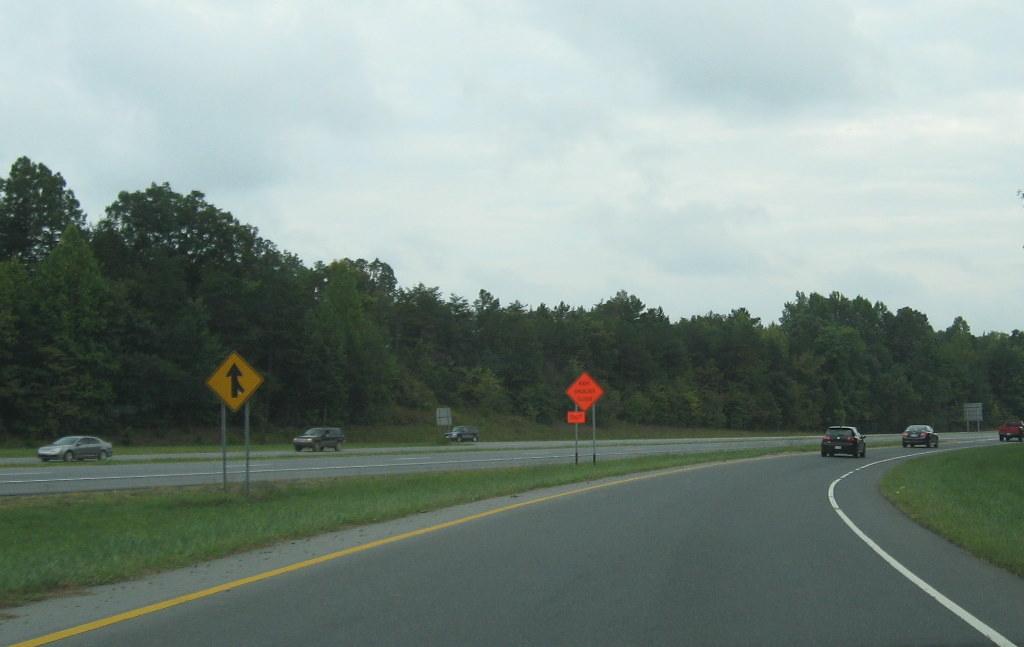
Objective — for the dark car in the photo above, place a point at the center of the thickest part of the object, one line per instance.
(463, 433)
(843, 440)
(319, 437)
(920, 435)
(76, 448)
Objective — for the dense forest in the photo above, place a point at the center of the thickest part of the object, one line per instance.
(116, 326)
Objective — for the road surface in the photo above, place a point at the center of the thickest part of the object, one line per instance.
(789, 550)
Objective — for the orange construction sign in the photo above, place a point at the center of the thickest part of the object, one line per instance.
(584, 391)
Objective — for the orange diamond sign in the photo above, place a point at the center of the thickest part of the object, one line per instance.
(584, 391)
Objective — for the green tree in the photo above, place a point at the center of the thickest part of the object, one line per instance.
(432, 340)
(36, 207)
(14, 281)
(847, 368)
(506, 345)
(73, 341)
(352, 371)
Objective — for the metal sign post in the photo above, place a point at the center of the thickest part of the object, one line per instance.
(585, 392)
(577, 426)
(234, 382)
(574, 418)
(444, 417)
(224, 442)
(973, 413)
(246, 449)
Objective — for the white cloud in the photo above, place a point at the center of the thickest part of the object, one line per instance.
(702, 156)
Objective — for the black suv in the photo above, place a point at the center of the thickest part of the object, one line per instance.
(319, 437)
(843, 440)
(463, 433)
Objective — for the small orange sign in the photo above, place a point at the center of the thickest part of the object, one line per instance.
(576, 417)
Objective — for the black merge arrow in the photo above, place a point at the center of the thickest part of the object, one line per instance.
(236, 387)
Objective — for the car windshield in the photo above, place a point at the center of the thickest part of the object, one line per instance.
(313, 433)
(66, 440)
(917, 428)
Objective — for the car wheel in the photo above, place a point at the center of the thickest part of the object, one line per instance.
(45, 460)
(824, 453)
(102, 456)
(864, 452)
(475, 439)
(298, 449)
(337, 446)
(68, 457)
(458, 439)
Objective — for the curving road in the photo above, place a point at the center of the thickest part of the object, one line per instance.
(790, 550)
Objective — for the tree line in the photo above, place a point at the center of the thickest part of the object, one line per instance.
(116, 326)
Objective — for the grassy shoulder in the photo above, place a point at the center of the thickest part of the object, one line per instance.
(138, 532)
(974, 498)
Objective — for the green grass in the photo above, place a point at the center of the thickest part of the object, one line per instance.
(974, 498)
(128, 534)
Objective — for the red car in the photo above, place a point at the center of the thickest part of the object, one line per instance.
(1012, 429)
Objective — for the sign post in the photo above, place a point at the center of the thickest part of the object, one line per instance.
(973, 413)
(576, 418)
(444, 417)
(585, 392)
(234, 382)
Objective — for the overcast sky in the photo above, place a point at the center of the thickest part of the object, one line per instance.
(701, 156)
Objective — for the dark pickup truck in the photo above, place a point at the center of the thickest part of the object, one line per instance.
(1012, 429)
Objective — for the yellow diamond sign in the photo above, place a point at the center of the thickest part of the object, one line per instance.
(234, 381)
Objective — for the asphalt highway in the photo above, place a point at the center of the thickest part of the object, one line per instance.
(789, 550)
(31, 476)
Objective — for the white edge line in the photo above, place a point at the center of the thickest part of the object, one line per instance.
(957, 610)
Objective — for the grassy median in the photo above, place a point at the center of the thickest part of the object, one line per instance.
(974, 498)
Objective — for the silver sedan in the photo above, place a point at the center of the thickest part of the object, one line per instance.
(76, 448)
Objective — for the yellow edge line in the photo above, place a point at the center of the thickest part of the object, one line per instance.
(135, 613)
